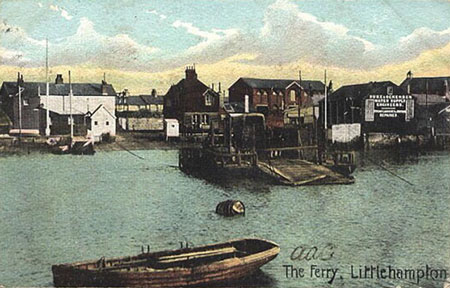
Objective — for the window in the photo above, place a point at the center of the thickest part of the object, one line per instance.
(208, 99)
(205, 119)
(390, 90)
(107, 123)
(195, 119)
(25, 102)
(95, 123)
(292, 95)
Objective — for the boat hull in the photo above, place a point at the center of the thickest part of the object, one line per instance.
(227, 270)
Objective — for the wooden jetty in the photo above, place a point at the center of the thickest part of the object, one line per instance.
(205, 265)
(296, 172)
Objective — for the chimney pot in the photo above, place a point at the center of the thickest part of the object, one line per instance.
(190, 73)
(59, 79)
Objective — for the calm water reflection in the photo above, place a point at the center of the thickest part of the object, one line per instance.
(64, 208)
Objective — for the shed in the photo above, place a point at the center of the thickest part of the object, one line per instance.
(171, 128)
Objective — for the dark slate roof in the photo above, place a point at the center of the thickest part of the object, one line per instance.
(79, 89)
(359, 91)
(283, 83)
(141, 100)
(418, 85)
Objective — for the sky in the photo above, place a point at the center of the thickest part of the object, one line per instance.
(142, 45)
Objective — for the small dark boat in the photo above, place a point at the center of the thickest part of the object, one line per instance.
(75, 147)
(210, 264)
(230, 208)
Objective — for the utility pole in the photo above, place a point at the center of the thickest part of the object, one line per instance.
(47, 94)
(326, 103)
(70, 108)
(20, 108)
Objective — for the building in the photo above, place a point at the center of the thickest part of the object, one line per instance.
(141, 112)
(149, 103)
(379, 107)
(427, 90)
(195, 105)
(432, 94)
(92, 107)
(278, 99)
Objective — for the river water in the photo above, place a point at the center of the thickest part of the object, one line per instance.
(57, 209)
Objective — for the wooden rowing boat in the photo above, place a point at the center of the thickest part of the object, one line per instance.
(207, 264)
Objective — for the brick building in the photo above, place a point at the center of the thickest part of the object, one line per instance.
(278, 99)
(192, 103)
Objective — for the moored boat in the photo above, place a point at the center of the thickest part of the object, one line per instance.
(209, 264)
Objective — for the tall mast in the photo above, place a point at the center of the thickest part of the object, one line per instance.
(47, 94)
(326, 100)
(70, 107)
(20, 106)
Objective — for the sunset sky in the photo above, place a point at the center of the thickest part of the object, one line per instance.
(142, 45)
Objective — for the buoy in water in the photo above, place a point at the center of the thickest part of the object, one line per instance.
(230, 208)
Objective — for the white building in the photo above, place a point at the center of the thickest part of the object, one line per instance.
(92, 104)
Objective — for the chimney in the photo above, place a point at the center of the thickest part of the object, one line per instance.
(246, 104)
(212, 86)
(190, 73)
(20, 81)
(409, 75)
(59, 79)
(447, 90)
(220, 87)
(104, 85)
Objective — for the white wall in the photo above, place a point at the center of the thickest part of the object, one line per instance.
(80, 104)
(102, 122)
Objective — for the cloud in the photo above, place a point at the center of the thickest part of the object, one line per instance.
(11, 57)
(154, 12)
(89, 46)
(64, 13)
(213, 45)
(85, 46)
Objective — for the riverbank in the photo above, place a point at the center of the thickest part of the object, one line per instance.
(122, 141)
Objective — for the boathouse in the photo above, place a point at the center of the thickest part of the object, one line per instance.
(195, 105)
(379, 107)
(433, 96)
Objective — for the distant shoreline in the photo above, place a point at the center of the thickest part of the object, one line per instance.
(123, 141)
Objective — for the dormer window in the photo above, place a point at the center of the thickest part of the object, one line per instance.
(390, 90)
(292, 95)
(208, 99)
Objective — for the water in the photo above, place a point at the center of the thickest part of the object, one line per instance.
(57, 209)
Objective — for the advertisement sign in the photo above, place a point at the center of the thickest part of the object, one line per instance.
(389, 106)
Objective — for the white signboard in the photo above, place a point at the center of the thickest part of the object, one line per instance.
(344, 133)
(389, 106)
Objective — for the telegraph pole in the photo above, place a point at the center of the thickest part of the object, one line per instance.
(47, 94)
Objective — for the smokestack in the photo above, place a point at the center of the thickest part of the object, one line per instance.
(246, 104)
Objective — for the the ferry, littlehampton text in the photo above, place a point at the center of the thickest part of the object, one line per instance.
(390, 272)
